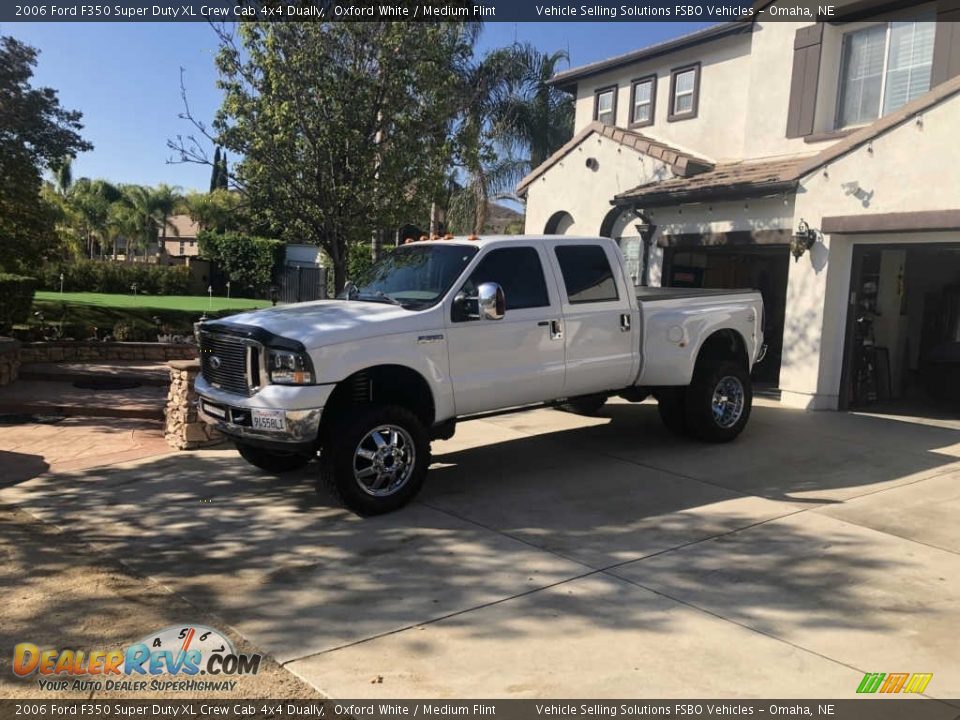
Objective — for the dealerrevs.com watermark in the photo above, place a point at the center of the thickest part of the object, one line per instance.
(189, 658)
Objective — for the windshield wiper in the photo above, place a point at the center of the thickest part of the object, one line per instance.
(378, 296)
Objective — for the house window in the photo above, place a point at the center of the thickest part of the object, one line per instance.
(643, 98)
(884, 67)
(684, 92)
(605, 105)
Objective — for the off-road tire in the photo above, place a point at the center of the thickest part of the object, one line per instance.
(671, 404)
(273, 461)
(337, 458)
(702, 420)
(585, 405)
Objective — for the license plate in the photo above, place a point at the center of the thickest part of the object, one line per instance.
(269, 420)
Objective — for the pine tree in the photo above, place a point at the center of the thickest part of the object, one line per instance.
(215, 173)
(222, 177)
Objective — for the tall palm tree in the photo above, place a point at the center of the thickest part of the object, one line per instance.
(535, 115)
(511, 122)
(165, 201)
(484, 156)
(143, 219)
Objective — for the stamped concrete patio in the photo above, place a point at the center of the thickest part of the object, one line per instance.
(552, 555)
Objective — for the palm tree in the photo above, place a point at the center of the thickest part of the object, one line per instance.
(484, 156)
(165, 200)
(143, 219)
(91, 201)
(512, 121)
(535, 115)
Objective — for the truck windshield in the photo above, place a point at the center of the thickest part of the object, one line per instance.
(414, 276)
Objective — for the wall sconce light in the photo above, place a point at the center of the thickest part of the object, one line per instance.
(802, 240)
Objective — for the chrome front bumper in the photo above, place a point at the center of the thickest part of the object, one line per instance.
(232, 414)
(302, 426)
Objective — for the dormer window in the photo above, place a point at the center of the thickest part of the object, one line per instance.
(605, 105)
(643, 97)
(684, 92)
(884, 67)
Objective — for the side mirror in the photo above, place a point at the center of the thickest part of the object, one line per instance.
(491, 301)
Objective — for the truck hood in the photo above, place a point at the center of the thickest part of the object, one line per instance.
(327, 322)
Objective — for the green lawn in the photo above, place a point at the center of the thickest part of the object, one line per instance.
(186, 303)
(83, 315)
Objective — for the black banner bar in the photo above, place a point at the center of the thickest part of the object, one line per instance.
(699, 11)
(865, 709)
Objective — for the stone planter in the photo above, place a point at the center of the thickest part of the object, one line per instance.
(183, 429)
(84, 351)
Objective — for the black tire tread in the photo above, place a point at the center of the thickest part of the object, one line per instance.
(700, 422)
(341, 440)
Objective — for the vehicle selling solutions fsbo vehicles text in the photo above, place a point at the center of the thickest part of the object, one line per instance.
(640, 11)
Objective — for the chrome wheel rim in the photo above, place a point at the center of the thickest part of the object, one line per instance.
(727, 402)
(384, 460)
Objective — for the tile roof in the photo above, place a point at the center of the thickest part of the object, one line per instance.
(726, 179)
(679, 161)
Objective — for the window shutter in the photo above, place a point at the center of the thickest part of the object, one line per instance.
(946, 45)
(803, 84)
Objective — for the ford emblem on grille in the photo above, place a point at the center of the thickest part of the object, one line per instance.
(215, 362)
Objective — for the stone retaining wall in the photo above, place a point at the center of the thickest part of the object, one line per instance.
(72, 351)
(184, 430)
(9, 360)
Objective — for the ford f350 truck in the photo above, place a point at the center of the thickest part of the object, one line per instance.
(445, 329)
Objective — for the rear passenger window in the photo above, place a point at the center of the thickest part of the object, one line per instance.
(586, 274)
(518, 271)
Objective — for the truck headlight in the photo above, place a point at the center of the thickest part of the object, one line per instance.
(286, 367)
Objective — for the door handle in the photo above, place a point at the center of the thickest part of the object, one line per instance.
(625, 322)
(543, 323)
(556, 330)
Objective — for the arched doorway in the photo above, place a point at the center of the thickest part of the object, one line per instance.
(616, 223)
(559, 223)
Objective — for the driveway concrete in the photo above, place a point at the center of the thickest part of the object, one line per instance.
(556, 555)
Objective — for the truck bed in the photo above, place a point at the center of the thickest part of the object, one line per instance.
(652, 294)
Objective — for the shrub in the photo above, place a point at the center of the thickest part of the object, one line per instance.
(113, 277)
(134, 330)
(245, 259)
(16, 299)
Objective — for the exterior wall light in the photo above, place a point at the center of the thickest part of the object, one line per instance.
(802, 240)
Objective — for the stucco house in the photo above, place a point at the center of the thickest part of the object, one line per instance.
(818, 162)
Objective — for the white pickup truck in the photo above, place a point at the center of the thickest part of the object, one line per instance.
(445, 329)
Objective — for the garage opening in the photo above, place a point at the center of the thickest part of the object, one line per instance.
(762, 267)
(902, 347)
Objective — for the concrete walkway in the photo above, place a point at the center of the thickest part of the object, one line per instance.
(556, 555)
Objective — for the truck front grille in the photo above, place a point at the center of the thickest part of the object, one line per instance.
(225, 362)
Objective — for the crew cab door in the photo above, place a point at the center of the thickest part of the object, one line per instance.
(519, 359)
(602, 346)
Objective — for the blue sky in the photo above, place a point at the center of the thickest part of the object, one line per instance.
(125, 78)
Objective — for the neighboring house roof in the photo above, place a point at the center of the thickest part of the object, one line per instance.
(680, 162)
(181, 226)
(568, 78)
(752, 179)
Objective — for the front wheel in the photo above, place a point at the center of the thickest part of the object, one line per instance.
(718, 402)
(273, 461)
(376, 459)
